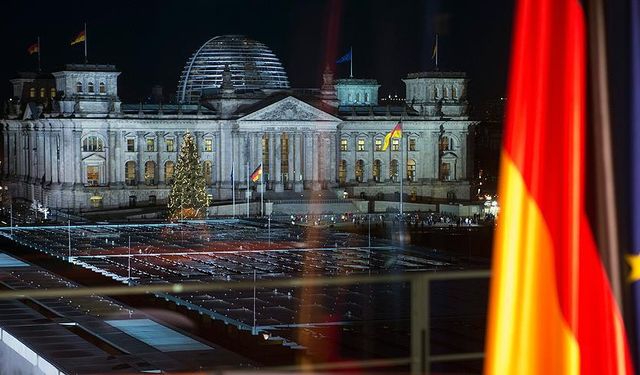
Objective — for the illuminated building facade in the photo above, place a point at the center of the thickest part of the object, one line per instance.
(82, 148)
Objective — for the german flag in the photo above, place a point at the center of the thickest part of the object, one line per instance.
(34, 48)
(257, 174)
(551, 307)
(80, 37)
(396, 132)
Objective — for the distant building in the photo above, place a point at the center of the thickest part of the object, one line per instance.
(80, 147)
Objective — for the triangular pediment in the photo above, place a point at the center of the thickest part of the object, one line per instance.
(289, 109)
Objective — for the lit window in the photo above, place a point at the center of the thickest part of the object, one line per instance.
(378, 143)
(53, 92)
(79, 87)
(32, 92)
(43, 92)
(130, 172)
(207, 166)
(168, 171)
(92, 144)
(395, 144)
(151, 145)
(342, 171)
(208, 144)
(90, 87)
(131, 145)
(93, 175)
(150, 173)
(360, 144)
(169, 143)
(344, 144)
(411, 170)
(102, 88)
(412, 144)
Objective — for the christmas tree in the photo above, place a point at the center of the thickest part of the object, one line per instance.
(188, 196)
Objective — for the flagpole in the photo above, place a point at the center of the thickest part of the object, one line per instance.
(437, 51)
(39, 70)
(86, 59)
(248, 191)
(351, 62)
(262, 192)
(401, 165)
(233, 186)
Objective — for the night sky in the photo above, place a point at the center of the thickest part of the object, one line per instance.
(151, 41)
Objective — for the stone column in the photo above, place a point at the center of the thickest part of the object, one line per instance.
(333, 159)
(54, 139)
(45, 154)
(77, 157)
(119, 167)
(290, 161)
(33, 154)
(42, 155)
(199, 143)
(317, 151)
(308, 158)
(278, 162)
(462, 158)
(298, 185)
(140, 149)
(159, 175)
(5, 156)
(111, 158)
(272, 163)
(246, 158)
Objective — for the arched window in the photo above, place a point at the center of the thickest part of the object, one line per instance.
(32, 92)
(53, 92)
(265, 157)
(357, 97)
(208, 176)
(130, 172)
(446, 144)
(359, 170)
(445, 92)
(366, 97)
(150, 173)
(435, 92)
(92, 144)
(454, 92)
(79, 87)
(342, 172)
(168, 171)
(377, 168)
(43, 92)
(411, 170)
(393, 170)
(90, 87)
(102, 88)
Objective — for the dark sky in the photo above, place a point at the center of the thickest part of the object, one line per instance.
(149, 41)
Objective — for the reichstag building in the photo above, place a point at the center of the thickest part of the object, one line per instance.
(69, 142)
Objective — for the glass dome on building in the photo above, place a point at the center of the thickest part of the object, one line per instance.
(252, 64)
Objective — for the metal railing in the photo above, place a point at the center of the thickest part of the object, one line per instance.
(420, 360)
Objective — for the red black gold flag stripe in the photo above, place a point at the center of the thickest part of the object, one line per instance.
(396, 132)
(79, 38)
(34, 48)
(551, 308)
(255, 176)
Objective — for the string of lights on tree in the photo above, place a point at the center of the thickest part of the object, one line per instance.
(188, 196)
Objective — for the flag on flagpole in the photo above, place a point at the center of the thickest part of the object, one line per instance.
(396, 132)
(79, 38)
(435, 49)
(345, 58)
(34, 48)
(255, 176)
(551, 307)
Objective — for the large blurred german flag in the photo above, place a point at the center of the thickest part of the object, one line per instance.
(551, 309)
